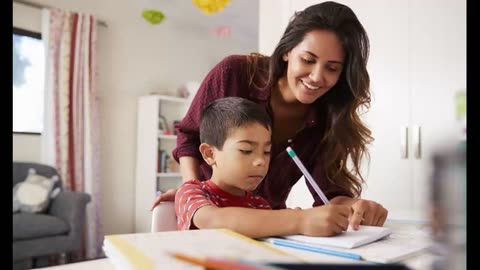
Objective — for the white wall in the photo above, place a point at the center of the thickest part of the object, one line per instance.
(135, 58)
(26, 147)
(273, 18)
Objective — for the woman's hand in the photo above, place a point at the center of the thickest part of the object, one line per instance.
(367, 212)
(169, 195)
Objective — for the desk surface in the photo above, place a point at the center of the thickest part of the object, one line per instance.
(420, 262)
(100, 264)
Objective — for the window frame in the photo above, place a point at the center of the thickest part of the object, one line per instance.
(32, 34)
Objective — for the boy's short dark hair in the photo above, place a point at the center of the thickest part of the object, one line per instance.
(219, 117)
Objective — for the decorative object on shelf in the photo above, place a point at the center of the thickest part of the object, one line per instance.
(153, 16)
(210, 7)
(163, 125)
(183, 92)
(188, 90)
(221, 31)
(172, 166)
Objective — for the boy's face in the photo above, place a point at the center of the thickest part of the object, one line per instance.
(243, 162)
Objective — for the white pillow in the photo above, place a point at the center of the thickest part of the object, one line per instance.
(33, 195)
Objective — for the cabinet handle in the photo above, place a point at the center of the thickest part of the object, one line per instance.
(417, 141)
(404, 142)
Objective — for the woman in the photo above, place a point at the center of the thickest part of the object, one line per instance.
(313, 86)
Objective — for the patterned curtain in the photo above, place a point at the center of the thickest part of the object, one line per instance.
(70, 141)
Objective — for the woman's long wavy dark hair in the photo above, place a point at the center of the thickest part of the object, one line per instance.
(345, 135)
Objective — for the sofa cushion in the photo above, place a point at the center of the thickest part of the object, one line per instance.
(28, 226)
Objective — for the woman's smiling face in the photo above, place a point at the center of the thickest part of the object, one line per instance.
(314, 66)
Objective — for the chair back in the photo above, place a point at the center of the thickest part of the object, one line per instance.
(164, 217)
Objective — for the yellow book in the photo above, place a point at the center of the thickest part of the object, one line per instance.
(149, 251)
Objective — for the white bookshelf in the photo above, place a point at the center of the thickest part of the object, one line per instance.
(149, 140)
(169, 174)
(171, 99)
(167, 137)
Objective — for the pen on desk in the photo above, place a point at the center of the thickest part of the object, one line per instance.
(292, 244)
(220, 264)
(307, 175)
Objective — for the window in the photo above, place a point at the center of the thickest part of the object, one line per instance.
(28, 81)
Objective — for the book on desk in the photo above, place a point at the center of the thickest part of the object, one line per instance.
(148, 251)
(369, 243)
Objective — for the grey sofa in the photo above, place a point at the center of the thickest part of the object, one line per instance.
(57, 231)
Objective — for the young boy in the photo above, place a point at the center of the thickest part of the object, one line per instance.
(235, 136)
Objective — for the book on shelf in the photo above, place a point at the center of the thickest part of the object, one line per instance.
(159, 160)
(163, 160)
(148, 251)
(166, 164)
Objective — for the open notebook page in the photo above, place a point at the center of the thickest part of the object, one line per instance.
(400, 245)
(348, 239)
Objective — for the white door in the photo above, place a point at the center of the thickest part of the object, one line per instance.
(437, 71)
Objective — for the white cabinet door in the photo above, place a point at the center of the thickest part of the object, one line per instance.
(437, 70)
(388, 174)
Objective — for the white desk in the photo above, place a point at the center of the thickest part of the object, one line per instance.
(421, 262)
(100, 264)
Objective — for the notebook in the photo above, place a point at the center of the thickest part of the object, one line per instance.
(399, 245)
(349, 239)
(148, 251)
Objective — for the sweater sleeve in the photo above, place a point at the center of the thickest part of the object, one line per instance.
(221, 81)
